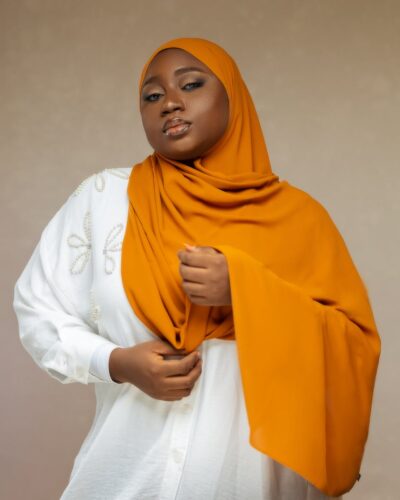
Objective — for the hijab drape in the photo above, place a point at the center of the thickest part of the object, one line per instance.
(308, 346)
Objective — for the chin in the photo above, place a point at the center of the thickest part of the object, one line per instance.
(180, 156)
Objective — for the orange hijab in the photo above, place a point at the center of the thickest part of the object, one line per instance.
(308, 346)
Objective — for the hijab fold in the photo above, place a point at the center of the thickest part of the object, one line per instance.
(308, 345)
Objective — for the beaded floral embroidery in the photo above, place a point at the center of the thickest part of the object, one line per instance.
(100, 179)
(118, 172)
(111, 246)
(84, 244)
(94, 309)
(81, 186)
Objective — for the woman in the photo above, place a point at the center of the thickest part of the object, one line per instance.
(265, 291)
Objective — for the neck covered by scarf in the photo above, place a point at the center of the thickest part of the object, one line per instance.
(307, 341)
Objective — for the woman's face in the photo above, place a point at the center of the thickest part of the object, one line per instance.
(173, 90)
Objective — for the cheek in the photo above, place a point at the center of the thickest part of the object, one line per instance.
(211, 116)
(223, 109)
(148, 122)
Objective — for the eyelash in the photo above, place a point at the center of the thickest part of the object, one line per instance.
(196, 85)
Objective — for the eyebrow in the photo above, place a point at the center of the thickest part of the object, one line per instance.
(178, 71)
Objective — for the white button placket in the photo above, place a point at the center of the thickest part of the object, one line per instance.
(180, 434)
(183, 416)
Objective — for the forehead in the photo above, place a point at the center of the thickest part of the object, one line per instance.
(170, 59)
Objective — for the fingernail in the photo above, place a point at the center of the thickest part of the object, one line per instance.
(191, 247)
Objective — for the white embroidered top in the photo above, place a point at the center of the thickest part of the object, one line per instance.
(72, 312)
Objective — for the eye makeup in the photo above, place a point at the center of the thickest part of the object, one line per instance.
(195, 84)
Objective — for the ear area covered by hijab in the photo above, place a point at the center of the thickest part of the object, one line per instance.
(308, 345)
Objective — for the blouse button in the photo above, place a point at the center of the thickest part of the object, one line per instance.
(187, 407)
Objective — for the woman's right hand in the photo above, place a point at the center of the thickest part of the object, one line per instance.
(144, 366)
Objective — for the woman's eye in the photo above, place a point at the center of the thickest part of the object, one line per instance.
(196, 84)
(147, 98)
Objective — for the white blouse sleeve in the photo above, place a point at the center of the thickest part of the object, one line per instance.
(100, 362)
(52, 327)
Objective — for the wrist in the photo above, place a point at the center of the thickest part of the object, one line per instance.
(115, 365)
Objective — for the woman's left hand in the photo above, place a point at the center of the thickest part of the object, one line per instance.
(205, 275)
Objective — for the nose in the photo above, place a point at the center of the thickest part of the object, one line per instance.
(171, 103)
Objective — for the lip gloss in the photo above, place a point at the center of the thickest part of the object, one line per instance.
(178, 130)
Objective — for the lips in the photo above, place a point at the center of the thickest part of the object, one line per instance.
(174, 122)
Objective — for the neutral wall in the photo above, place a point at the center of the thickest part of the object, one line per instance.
(325, 79)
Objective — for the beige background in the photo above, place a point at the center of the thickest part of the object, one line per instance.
(324, 76)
